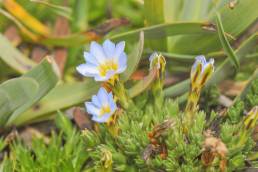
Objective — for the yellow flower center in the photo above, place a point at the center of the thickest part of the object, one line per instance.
(104, 110)
(105, 67)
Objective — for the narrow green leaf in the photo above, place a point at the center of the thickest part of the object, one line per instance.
(58, 9)
(133, 59)
(225, 43)
(61, 97)
(80, 13)
(46, 78)
(142, 85)
(14, 58)
(154, 14)
(165, 30)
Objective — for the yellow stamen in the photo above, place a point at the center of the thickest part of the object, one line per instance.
(108, 65)
(104, 110)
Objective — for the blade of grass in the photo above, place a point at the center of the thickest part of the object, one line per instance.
(165, 30)
(24, 30)
(23, 16)
(154, 14)
(80, 13)
(58, 9)
(225, 43)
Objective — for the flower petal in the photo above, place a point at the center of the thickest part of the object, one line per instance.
(109, 48)
(119, 49)
(109, 75)
(96, 101)
(122, 63)
(91, 109)
(101, 119)
(103, 96)
(87, 69)
(97, 51)
(90, 58)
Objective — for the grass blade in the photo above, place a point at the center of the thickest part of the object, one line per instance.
(22, 15)
(225, 43)
(165, 30)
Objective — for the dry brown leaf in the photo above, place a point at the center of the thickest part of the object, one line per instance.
(60, 54)
(82, 119)
(29, 133)
(13, 35)
(38, 53)
(232, 88)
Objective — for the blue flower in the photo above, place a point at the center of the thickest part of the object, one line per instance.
(201, 70)
(102, 106)
(157, 60)
(104, 62)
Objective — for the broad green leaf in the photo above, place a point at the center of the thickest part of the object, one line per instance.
(225, 43)
(133, 59)
(15, 93)
(235, 21)
(46, 78)
(177, 89)
(165, 30)
(13, 57)
(143, 84)
(61, 97)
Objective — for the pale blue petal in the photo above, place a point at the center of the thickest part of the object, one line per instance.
(109, 48)
(103, 96)
(90, 58)
(96, 101)
(87, 69)
(122, 63)
(112, 103)
(101, 119)
(97, 51)
(91, 109)
(201, 59)
(119, 49)
(152, 56)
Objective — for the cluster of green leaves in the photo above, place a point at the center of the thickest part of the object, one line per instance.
(103, 151)
(65, 151)
(106, 150)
